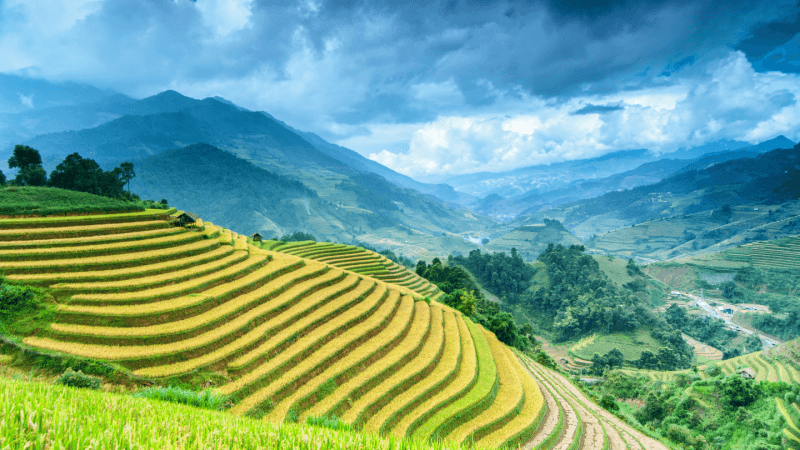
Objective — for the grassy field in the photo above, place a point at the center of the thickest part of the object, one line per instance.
(630, 344)
(286, 332)
(38, 416)
(37, 201)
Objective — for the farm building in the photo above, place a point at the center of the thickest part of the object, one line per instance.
(186, 218)
(256, 237)
(747, 373)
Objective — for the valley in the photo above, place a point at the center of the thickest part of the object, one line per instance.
(555, 317)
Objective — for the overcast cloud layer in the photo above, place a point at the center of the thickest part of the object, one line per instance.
(448, 87)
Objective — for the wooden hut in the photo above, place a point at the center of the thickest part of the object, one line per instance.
(187, 219)
(256, 237)
(747, 373)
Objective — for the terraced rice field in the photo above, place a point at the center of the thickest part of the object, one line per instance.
(765, 368)
(781, 254)
(314, 329)
(358, 260)
(572, 421)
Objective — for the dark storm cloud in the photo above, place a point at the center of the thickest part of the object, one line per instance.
(356, 68)
(764, 37)
(597, 109)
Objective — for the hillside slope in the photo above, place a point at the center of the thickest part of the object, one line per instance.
(288, 337)
(283, 336)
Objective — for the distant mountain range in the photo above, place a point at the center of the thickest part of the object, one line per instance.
(589, 175)
(645, 174)
(148, 128)
(691, 212)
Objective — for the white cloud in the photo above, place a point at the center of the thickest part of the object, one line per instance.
(225, 16)
(722, 99)
(26, 100)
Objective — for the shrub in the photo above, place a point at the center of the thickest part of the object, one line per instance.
(79, 380)
(206, 399)
(329, 422)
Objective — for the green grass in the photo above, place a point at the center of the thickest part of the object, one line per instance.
(29, 200)
(630, 344)
(471, 403)
(37, 416)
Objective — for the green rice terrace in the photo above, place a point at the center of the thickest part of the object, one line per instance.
(777, 254)
(776, 364)
(285, 332)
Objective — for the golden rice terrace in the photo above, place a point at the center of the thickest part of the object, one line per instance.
(294, 330)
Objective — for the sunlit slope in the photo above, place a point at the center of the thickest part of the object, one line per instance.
(287, 337)
(356, 259)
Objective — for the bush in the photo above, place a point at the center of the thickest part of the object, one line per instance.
(329, 422)
(206, 399)
(79, 380)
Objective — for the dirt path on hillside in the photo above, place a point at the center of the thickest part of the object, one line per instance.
(593, 417)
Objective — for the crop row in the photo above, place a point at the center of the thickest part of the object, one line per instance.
(402, 379)
(446, 367)
(139, 284)
(355, 388)
(65, 221)
(508, 400)
(174, 309)
(140, 271)
(93, 239)
(78, 418)
(472, 403)
(286, 371)
(192, 285)
(116, 261)
(202, 321)
(525, 421)
(35, 254)
(239, 338)
(338, 359)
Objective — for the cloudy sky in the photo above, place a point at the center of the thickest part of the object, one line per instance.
(444, 87)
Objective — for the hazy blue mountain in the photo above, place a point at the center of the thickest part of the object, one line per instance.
(545, 178)
(710, 159)
(532, 202)
(357, 161)
(20, 93)
(688, 209)
(712, 147)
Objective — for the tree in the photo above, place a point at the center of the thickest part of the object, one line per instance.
(77, 173)
(729, 289)
(2, 179)
(676, 316)
(615, 358)
(29, 162)
(127, 174)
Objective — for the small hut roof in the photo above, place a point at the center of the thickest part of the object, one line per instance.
(192, 216)
(747, 372)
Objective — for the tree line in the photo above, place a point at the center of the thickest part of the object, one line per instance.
(75, 173)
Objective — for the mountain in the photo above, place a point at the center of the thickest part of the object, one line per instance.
(540, 179)
(548, 177)
(362, 164)
(720, 146)
(268, 144)
(648, 173)
(692, 212)
(711, 159)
